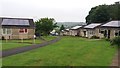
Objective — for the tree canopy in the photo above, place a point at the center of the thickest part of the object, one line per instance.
(45, 25)
(62, 27)
(104, 13)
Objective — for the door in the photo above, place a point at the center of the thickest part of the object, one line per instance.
(109, 34)
(105, 33)
(84, 33)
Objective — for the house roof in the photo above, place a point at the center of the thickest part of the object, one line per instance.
(112, 24)
(66, 30)
(18, 22)
(93, 25)
(76, 27)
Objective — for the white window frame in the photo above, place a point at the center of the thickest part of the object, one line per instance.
(6, 31)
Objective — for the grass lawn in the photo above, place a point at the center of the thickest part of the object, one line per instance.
(18, 43)
(69, 51)
(48, 38)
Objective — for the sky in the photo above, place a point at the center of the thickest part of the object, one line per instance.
(60, 10)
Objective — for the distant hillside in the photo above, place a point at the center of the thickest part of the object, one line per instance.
(70, 24)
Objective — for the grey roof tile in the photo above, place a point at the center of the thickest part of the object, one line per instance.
(15, 22)
(76, 27)
(93, 25)
(112, 24)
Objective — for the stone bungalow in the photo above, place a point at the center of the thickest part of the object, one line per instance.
(17, 28)
(91, 30)
(110, 30)
(75, 31)
(66, 32)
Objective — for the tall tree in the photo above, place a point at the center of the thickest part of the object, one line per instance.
(45, 25)
(62, 27)
(104, 13)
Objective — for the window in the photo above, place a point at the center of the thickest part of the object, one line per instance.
(99, 31)
(23, 31)
(91, 32)
(4, 31)
(116, 34)
(102, 32)
(7, 31)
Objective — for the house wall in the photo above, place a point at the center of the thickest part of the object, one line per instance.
(112, 32)
(66, 33)
(90, 32)
(82, 32)
(97, 32)
(17, 35)
(74, 32)
(31, 33)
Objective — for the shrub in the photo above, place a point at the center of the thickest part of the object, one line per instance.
(116, 41)
(94, 37)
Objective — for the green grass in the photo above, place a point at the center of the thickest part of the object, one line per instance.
(69, 51)
(18, 43)
(48, 38)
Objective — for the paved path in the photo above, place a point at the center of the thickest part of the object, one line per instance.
(116, 59)
(14, 51)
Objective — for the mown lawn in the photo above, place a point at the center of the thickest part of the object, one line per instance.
(69, 51)
(19, 43)
(48, 38)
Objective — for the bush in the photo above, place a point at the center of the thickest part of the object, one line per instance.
(94, 37)
(116, 41)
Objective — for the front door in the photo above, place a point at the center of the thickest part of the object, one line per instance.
(84, 33)
(105, 33)
(109, 33)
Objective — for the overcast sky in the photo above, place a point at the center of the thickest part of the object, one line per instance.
(60, 10)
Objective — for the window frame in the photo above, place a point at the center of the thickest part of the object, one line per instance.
(6, 32)
(24, 31)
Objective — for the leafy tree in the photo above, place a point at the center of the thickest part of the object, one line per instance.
(45, 25)
(98, 14)
(62, 27)
(104, 13)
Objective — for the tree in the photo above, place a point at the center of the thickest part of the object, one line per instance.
(103, 13)
(98, 14)
(62, 27)
(45, 25)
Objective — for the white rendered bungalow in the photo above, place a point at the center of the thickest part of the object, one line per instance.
(110, 29)
(75, 31)
(91, 30)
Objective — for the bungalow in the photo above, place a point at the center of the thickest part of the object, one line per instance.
(91, 30)
(16, 28)
(66, 32)
(75, 31)
(110, 29)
